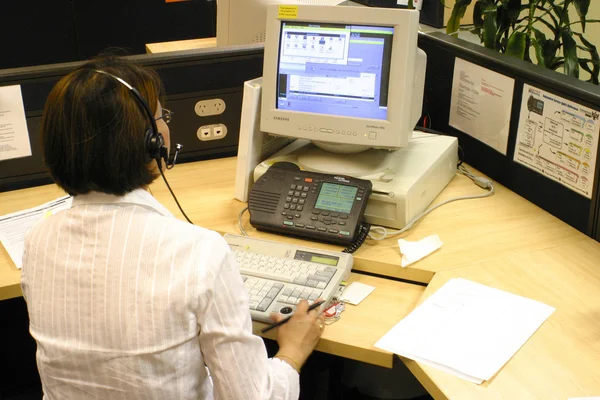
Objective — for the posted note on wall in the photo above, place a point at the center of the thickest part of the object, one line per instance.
(558, 138)
(14, 137)
(480, 103)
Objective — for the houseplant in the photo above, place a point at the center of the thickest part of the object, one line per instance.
(538, 29)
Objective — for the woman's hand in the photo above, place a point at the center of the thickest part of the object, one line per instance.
(298, 337)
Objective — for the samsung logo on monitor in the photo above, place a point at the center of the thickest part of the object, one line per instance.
(282, 119)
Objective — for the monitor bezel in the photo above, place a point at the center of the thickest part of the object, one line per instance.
(392, 132)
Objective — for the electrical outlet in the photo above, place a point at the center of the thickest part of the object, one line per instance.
(205, 108)
(211, 132)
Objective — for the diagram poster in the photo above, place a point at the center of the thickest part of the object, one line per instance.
(558, 138)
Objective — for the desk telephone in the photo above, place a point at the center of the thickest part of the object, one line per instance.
(317, 206)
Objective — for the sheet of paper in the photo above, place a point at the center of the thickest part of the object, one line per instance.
(585, 398)
(414, 251)
(558, 138)
(356, 292)
(480, 104)
(14, 136)
(13, 227)
(469, 329)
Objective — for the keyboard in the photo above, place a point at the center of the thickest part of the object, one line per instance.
(278, 275)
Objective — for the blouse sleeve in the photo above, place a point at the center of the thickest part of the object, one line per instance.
(237, 359)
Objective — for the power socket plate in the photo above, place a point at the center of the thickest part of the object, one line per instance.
(206, 108)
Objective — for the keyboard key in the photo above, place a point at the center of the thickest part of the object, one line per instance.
(264, 304)
(312, 283)
(300, 281)
(265, 275)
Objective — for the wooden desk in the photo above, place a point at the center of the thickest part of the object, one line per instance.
(561, 359)
(472, 230)
(352, 337)
(178, 45)
(503, 241)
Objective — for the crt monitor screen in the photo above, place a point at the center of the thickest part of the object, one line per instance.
(335, 69)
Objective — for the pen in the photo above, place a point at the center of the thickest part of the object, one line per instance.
(286, 319)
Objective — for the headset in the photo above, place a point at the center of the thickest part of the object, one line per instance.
(154, 141)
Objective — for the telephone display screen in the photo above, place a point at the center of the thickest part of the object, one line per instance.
(334, 197)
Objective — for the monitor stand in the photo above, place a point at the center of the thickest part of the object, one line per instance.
(405, 181)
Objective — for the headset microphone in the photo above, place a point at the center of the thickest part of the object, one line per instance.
(171, 164)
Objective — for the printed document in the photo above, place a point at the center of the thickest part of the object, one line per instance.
(480, 104)
(467, 329)
(14, 136)
(13, 227)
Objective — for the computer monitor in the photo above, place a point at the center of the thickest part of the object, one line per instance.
(348, 79)
(242, 22)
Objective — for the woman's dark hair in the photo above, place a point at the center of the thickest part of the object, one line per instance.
(93, 129)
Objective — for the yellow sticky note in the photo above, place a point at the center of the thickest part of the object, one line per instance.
(288, 12)
(47, 214)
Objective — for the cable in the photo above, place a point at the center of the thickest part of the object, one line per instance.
(172, 194)
(480, 181)
(240, 221)
(360, 239)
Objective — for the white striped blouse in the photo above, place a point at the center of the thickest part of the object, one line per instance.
(127, 302)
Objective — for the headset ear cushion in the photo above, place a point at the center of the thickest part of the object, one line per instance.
(155, 147)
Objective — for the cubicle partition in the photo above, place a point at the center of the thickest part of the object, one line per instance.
(188, 76)
(551, 153)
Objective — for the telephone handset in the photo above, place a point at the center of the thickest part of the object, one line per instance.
(317, 206)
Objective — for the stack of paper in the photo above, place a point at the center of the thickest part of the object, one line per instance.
(467, 329)
(13, 227)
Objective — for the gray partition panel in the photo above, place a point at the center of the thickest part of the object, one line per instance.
(188, 76)
(442, 50)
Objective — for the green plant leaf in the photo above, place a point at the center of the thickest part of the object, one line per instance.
(539, 35)
(490, 28)
(458, 11)
(561, 12)
(516, 45)
(539, 52)
(582, 6)
(570, 53)
(595, 58)
(514, 10)
(477, 18)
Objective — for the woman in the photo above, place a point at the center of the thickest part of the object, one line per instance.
(126, 301)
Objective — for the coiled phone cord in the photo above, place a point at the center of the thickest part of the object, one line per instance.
(360, 239)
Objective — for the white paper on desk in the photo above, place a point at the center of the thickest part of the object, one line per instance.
(481, 103)
(414, 251)
(356, 292)
(13, 227)
(14, 136)
(585, 398)
(468, 328)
